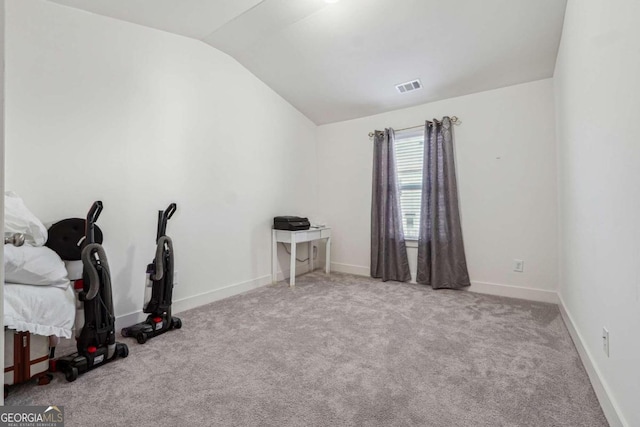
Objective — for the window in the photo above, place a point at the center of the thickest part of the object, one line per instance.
(409, 157)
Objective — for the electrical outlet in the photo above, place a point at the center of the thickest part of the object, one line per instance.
(175, 277)
(605, 341)
(518, 265)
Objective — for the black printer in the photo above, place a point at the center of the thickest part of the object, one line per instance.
(291, 223)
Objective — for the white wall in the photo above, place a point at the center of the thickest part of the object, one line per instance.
(598, 105)
(505, 153)
(2, 20)
(139, 118)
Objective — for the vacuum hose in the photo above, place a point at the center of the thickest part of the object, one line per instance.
(16, 239)
(160, 256)
(94, 278)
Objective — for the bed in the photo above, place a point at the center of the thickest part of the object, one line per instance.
(41, 310)
(39, 301)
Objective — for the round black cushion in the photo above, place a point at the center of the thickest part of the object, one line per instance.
(66, 238)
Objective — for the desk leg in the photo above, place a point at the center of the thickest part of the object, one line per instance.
(292, 277)
(327, 261)
(311, 256)
(274, 258)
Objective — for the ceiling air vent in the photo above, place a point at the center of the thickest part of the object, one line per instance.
(409, 86)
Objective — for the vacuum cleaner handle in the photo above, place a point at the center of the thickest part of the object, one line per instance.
(94, 212)
(168, 213)
(163, 218)
(92, 217)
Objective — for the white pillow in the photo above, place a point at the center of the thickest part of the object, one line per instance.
(19, 219)
(34, 265)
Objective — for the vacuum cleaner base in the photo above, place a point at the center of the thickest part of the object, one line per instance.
(75, 364)
(151, 327)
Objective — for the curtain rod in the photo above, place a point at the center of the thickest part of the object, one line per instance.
(454, 119)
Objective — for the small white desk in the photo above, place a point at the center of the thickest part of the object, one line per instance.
(295, 237)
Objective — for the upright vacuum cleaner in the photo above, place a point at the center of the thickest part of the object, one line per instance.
(159, 287)
(96, 339)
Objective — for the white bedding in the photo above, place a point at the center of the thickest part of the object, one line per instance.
(41, 310)
(19, 219)
(34, 265)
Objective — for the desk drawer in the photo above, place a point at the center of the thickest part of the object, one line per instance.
(305, 236)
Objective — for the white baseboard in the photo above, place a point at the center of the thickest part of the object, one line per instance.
(511, 291)
(198, 300)
(208, 297)
(350, 269)
(479, 287)
(128, 320)
(218, 294)
(609, 406)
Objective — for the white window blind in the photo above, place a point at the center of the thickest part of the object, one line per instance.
(409, 158)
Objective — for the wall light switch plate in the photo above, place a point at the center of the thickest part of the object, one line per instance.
(175, 277)
(518, 265)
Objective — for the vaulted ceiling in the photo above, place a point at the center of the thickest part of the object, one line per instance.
(342, 60)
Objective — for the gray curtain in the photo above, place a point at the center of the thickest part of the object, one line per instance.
(441, 259)
(388, 250)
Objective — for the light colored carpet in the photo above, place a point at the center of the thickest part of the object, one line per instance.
(341, 350)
